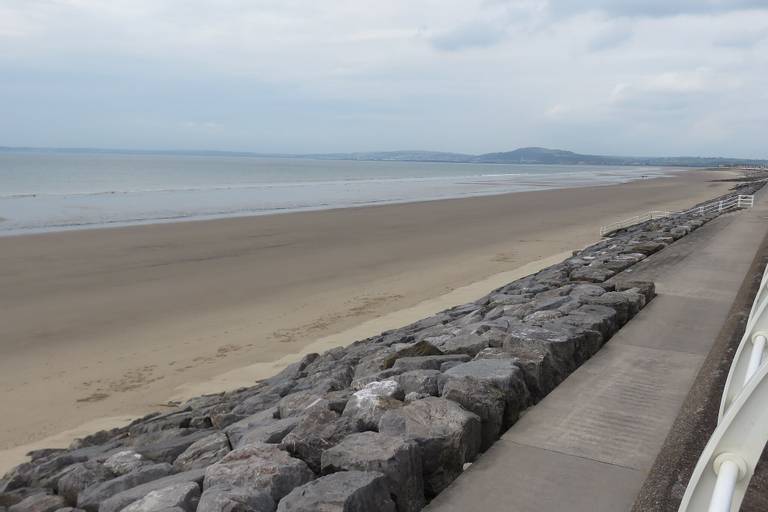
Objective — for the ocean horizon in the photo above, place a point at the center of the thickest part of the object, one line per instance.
(52, 191)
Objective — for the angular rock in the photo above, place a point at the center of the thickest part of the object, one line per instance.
(562, 342)
(469, 344)
(166, 445)
(125, 461)
(348, 491)
(494, 389)
(366, 406)
(122, 499)
(418, 349)
(595, 318)
(412, 397)
(624, 304)
(183, 496)
(591, 274)
(397, 459)
(428, 362)
(203, 453)
(263, 467)
(39, 503)
(317, 431)
(235, 499)
(447, 435)
(270, 432)
(82, 476)
(90, 498)
(646, 288)
(296, 403)
(419, 381)
(646, 248)
(13, 497)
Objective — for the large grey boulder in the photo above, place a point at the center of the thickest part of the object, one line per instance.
(397, 459)
(39, 503)
(419, 381)
(166, 445)
(13, 497)
(365, 407)
(297, 403)
(270, 431)
(124, 498)
(494, 389)
(42, 471)
(591, 274)
(466, 343)
(626, 304)
(90, 498)
(82, 476)
(562, 342)
(427, 362)
(203, 453)
(646, 288)
(263, 467)
(183, 496)
(447, 435)
(125, 461)
(483, 399)
(318, 430)
(348, 491)
(235, 499)
(595, 318)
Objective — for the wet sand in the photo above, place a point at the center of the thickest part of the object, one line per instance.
(113, 323)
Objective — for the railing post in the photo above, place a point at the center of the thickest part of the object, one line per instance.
(728, 472)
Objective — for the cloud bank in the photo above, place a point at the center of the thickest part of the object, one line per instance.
(618, 77)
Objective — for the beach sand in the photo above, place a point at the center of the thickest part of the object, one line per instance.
(97, 326)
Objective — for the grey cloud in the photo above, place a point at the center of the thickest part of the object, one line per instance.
(610, 38)
(469, 35)
(654, 8)
(742, 39)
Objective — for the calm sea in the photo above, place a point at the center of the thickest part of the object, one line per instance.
(56, 191)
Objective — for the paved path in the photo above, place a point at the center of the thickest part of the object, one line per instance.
(589, 445)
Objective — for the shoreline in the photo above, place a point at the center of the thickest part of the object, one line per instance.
(425, 261)
(670, 173)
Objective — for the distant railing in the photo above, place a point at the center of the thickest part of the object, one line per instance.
(726, 465)
(719, 206)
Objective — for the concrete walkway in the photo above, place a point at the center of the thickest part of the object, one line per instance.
(589, 445)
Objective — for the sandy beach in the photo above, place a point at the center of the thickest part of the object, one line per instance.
(97, 326)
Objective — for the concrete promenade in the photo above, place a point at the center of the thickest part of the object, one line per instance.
(590, 444)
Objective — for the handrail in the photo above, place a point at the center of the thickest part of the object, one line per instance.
(719, 206)
(722, 474)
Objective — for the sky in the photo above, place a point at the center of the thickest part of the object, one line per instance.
(620, 77)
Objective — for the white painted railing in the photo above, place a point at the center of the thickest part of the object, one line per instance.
(726, 465)
(719, 206)
(637, 219)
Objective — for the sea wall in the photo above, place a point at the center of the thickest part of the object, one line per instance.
(383, 424)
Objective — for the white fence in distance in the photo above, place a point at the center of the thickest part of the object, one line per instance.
(733, 202)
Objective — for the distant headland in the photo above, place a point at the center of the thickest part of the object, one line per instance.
(527, 155)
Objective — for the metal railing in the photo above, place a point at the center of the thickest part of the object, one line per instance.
(637, 219)
(719, 206)
(726, 465)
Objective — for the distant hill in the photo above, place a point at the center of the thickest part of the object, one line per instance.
(530, 155)
(535, 155)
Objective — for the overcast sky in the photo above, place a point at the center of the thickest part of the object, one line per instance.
(640, 77)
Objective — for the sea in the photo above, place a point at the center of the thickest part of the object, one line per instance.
(52, 191)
